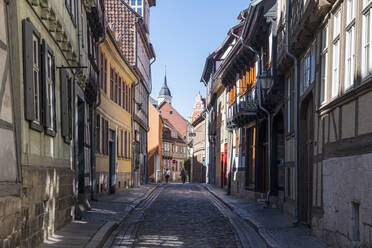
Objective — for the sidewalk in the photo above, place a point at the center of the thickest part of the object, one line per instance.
(271, 224)
(99, 222)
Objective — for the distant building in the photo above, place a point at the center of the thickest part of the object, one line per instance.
(131, 20)
(155, 147)
(169, 112)
(198, 108)
(114, 118)
(199, 168)
(174, 151)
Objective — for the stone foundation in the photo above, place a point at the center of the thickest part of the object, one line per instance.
(11, 221)
(347, 202)
(123, 181)
(47, 202)
(102, 183)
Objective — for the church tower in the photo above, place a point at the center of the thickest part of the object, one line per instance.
(165, 94)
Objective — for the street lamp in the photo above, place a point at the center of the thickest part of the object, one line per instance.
(266, 81)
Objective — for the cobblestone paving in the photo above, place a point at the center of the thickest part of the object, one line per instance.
(181, 216)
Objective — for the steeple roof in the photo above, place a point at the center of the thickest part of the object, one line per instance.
(164, 91)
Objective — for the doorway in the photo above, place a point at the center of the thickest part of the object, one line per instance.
(80, 145)
(112, 162)
(306, 161)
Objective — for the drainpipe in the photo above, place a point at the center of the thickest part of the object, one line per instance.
(296, 101)
(269, 139)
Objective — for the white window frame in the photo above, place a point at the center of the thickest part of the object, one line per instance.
(349, 58)
(367, 41)
(50, 91)
(350, 11)
(137, 7)
(324, 66)
(336, 53)
(335, 68)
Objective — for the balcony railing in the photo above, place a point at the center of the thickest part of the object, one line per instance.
(243, 110)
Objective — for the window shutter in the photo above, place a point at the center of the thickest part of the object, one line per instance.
(64, 104)
(28, 31)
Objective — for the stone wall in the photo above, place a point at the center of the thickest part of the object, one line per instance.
(47, 202)
(123, 180)
(347, 190)
(11, 221)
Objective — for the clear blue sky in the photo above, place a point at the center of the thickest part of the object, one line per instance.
(184, 33)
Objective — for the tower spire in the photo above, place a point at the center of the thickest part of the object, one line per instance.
(165, 75)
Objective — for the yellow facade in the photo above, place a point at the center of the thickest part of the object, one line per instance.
(114, 118)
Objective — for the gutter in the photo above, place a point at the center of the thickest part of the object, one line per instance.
(295, 105)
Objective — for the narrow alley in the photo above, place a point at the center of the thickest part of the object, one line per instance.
(181, 215)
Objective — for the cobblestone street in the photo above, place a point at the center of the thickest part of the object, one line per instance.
(177, 215)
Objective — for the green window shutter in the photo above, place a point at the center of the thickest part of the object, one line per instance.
(64, 104)
(28, 32)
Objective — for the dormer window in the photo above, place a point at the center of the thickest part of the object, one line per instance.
(137, 6)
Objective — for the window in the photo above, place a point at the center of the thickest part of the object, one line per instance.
(324, 65)
(137, 6)
(336, 23)
(119, 93)
(50, 101)
(126, 144)
(116, 89)
(36, 78)
(366, 41)
(366, 2)
(111, 84)
(351, 9)
(71, 9)
(102, 62)
(350, 58)
(336, 53)
(335, 72)
(170, 112)
(174, 134)
(308, 68)
(98, 131)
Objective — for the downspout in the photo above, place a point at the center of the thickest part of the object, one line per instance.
(296, 101)
(206, 115)
(269, 139)
(268, 117)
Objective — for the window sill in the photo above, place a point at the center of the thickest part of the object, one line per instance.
(50, 132)
(351, 94)
(36, 126)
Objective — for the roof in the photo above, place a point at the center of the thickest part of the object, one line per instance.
(164, 91)
(167, 132)
(199, 119)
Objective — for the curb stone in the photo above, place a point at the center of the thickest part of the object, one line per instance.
(261, 231)
(103, 233)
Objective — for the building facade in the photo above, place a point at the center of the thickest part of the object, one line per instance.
(174, 151)
(199, 170)
(155, 138)
(55, 67)
(131, 21)
(114, 118)
(327, 124)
